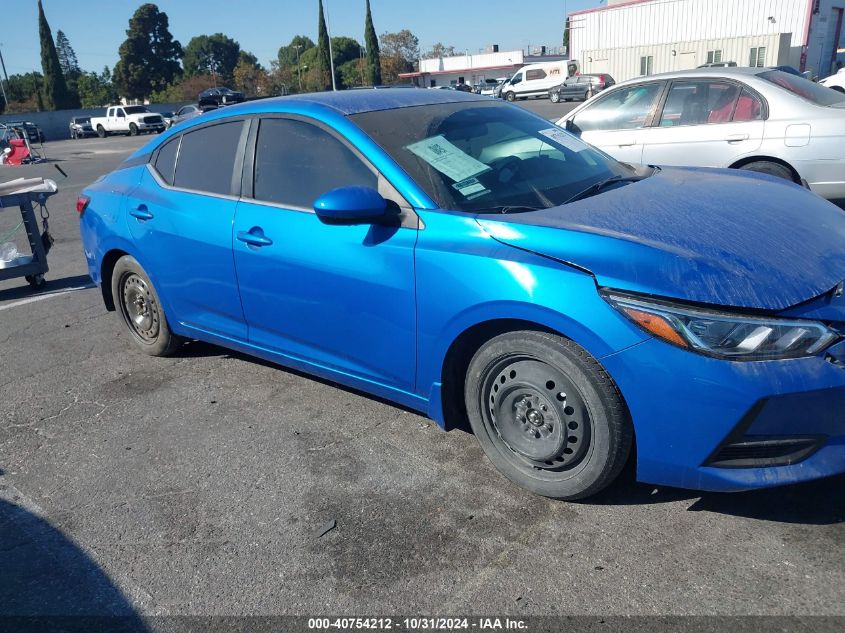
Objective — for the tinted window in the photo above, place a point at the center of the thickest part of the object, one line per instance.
(165, 162)
(135, 109)
(623, 109)
(699, 103)
(813, 92)
(530, 75)
(487, 157)
(296, 163)
(748, 108)
(207, 158)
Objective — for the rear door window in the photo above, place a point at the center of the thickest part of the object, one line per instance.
(207, 158)
(296, 162)
(531, 75)
(699, 103)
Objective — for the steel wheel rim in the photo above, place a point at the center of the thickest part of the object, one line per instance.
(537, 413)
(140, 308)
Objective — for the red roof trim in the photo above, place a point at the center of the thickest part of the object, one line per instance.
(609, 6)
(459, 70)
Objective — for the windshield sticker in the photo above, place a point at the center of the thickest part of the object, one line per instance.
(470, 188)
(565, 138)
(447, 158)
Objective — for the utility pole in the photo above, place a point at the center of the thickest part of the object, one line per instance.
(298, 67)
(5, 76)
(331, 55)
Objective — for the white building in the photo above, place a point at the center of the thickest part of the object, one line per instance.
(465, 69)
(630, 38)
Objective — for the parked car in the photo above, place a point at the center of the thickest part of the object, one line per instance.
(581, 87)
(80, 127)
(463, 88)
(188, 112)
(33, 133)
(835, 82)
(489, 87)
(168, 118)
(132, 120)
(220, 97)
(464, 258)
(753, 119)
(535, 80)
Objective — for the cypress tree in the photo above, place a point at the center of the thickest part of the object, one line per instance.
(55, 89)
(323, 60)
(373, 54)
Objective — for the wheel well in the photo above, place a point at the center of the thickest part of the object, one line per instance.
(768, 159)
(458, 357)
(109, 261)
(838, 88)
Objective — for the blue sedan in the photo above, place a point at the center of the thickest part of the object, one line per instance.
(465, 258)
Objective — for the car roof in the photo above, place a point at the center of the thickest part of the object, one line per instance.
(348, 102)
(708, 73)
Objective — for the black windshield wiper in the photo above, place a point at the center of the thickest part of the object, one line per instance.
(601, 184)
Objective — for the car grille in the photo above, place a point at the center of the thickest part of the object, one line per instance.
(761, 451)
(153, 119)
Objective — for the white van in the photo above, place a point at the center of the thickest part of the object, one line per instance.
(535, 80)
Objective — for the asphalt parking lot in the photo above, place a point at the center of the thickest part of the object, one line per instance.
(200, 484)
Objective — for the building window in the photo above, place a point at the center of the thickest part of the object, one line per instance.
(646, 65)
(714, 57)
(757, 59)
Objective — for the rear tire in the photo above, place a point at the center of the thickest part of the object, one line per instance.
(101, 131)
(140, 308)
(547, 414)
(770, 168)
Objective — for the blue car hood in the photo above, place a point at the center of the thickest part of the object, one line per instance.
(711, 236)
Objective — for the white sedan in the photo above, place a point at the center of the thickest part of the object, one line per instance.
(746, 118)
(837, 81)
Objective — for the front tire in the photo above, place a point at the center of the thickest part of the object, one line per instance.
(770, 168)
(547, 414)
(101, 131)
(133, 129)
(510, 96)
(140, 308)
(554, 97)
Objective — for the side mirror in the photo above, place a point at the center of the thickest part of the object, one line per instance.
(570, 127)
(351, 205)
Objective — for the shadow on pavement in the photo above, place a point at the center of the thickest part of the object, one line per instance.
(819, 502)
(49, 584)
(25, 291)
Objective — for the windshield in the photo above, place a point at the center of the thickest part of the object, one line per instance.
(135, 109)
(487, 156)
(804, 88)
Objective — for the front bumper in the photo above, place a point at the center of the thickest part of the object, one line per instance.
(687, 409)
(151, 127)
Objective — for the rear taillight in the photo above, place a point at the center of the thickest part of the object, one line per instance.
(82, 204)
(601, 81)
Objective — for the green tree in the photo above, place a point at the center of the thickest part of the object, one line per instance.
(351, 73)
(373, 69)
(323, 56)
(288, 55)
(67, 56)
(215, 55)
(56, 95)
(96, 90)
(399, 54)
(249, 77)
(149, 57)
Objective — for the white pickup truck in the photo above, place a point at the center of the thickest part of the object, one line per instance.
(132, 120)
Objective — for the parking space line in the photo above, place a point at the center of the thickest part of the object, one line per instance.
(46, 295)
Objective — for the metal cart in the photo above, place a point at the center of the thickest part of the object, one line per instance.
(22, 193)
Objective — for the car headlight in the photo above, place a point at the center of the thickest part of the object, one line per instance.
(723, 334)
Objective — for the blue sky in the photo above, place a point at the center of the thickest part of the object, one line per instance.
(96, 28)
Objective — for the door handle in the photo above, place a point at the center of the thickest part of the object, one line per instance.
(628, 143)
(254, 237)
(736, 138)
(141, 213)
